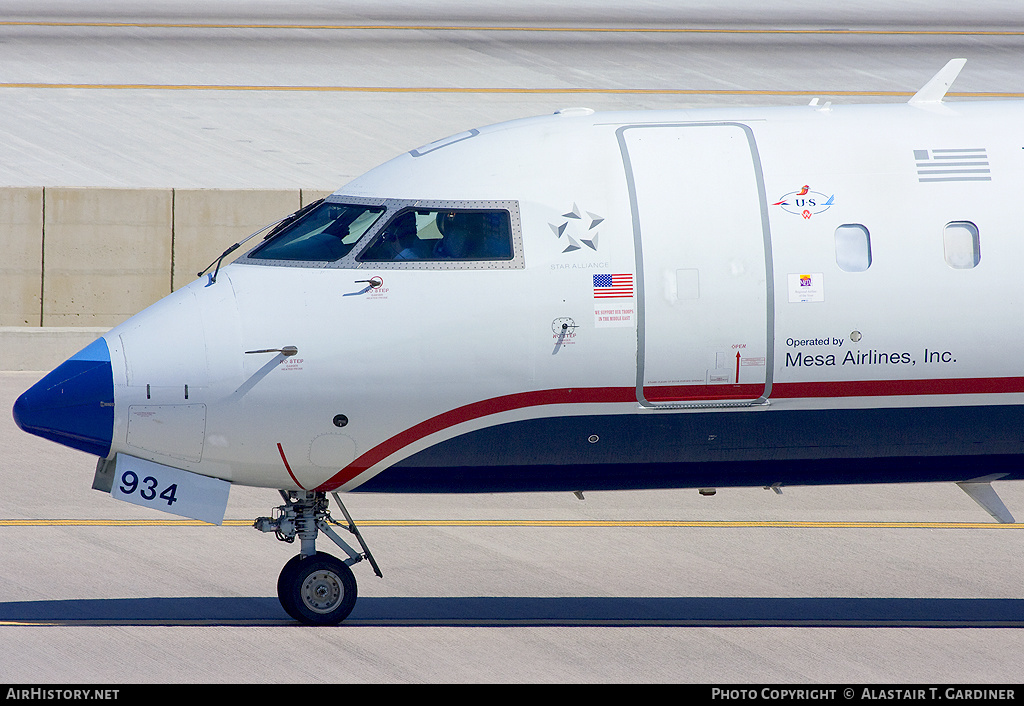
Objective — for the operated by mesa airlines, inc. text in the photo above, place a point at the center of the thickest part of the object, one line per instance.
(808, 354)
(800, 359)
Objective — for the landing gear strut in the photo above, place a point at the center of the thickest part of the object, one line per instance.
(315, 588)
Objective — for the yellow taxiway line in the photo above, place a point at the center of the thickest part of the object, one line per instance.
(497, 90)
(773, 524)
(501, 28)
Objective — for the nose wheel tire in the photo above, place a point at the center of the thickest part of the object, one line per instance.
(317, 590)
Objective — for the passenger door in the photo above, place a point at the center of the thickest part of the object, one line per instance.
(700, 227)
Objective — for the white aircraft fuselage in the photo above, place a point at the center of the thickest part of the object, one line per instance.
(584, 301)
(737, 347)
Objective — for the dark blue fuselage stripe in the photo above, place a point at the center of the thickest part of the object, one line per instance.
(722, 449)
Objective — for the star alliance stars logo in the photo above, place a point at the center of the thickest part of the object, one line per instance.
(576, 222)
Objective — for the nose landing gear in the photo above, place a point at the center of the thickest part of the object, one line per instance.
(315, 588)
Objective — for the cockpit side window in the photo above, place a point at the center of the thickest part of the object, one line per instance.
(440, 235)
(325, 234)
(361, 232)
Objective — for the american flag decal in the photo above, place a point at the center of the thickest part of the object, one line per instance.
(953, 165)
(613, 286)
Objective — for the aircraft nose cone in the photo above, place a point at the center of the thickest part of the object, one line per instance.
(74, 404)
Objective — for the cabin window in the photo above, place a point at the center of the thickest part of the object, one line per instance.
(324, 234)
(853, 247)
(438, 235)
(961, 244)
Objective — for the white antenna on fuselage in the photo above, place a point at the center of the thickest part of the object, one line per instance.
(935, 90)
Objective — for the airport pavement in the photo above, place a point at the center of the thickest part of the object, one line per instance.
(829, 584)
(225, 94)
(187, 98)
(834, 584)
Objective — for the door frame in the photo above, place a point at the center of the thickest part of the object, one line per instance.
(620, 134)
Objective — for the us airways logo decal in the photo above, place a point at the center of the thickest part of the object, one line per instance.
(805, 202)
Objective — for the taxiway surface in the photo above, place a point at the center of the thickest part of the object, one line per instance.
(816, 585)
(231, 94)
(907, 584)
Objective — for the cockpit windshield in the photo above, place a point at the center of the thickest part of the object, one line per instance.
(366, 232)
(443, 234)
(325, 234)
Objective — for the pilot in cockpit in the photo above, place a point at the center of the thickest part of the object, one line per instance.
(402, 234)
(455, 230)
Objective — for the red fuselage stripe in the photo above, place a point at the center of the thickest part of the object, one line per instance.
(897, 388)
(475, 410)
(675, 393)
(288, 468)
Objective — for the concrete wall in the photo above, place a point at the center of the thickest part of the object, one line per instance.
(21, 256)
(43, 348)
(106, 253)
(206, 222)
(92, 257)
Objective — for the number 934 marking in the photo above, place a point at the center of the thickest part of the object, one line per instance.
(148, 488)
(168, 489)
